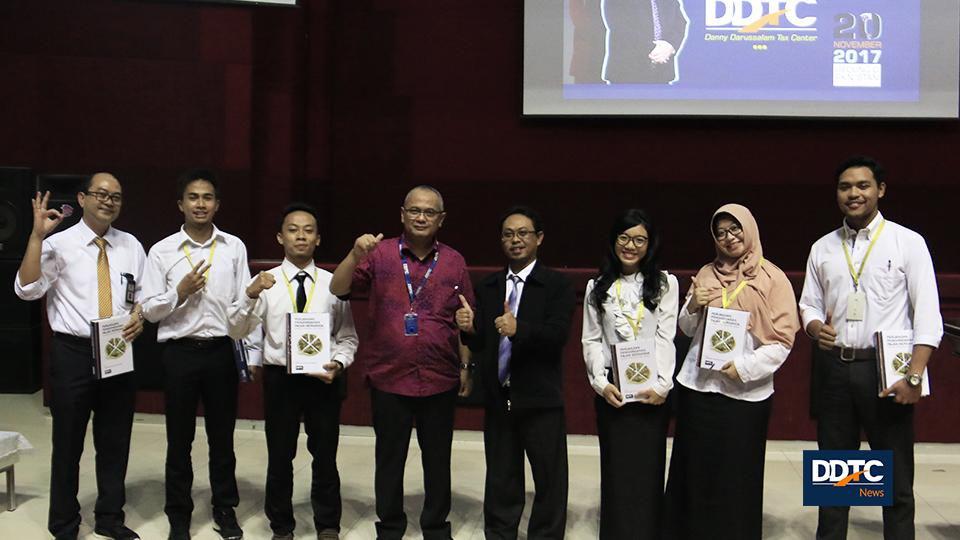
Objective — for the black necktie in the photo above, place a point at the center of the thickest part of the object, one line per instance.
(301, 291)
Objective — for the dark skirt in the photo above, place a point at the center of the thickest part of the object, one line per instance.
(715, 486)
(633, 456)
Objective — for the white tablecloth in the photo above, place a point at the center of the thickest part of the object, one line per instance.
(11, 443)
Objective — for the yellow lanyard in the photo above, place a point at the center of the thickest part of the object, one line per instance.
(293, 298)
(855, 274)
(635, 322)
(213, 248)
(726, 301)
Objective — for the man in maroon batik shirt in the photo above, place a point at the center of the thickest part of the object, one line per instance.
(416, 365)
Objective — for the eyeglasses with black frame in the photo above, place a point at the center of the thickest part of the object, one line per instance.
(413, 212)
(638, 241)
(103, 196)
(522, 234)
(733, 230)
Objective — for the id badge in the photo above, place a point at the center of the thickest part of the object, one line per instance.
(856, 306)
(411, 324)
(131, 291)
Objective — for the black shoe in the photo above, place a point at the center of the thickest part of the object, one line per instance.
(114, 532)
(225, 523)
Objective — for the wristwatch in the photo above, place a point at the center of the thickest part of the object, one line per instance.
(914, 380)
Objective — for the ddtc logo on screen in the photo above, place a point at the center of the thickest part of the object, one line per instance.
(847, 478)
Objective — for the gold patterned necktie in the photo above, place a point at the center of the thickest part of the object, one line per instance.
(104, 295)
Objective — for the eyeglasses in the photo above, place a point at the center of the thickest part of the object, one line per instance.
(103, 196)
(428, 213)
(733, 230)
(522, 234)
(638, 241)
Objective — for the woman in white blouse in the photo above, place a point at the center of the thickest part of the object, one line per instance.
(631, 300)
(715, 488)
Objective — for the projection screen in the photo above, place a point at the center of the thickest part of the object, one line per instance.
(807, 58)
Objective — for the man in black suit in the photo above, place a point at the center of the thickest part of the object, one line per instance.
(517, 332)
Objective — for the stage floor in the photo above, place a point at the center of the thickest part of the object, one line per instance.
(937, 485)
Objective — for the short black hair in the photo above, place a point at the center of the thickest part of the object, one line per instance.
(85, 184)
(192, 175)
(523, 211)
(862, 161)
(298, 206)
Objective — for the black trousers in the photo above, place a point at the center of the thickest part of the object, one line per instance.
(287, 398)
(715, 486)
(393, 418)
(848, 401)
(507, 435)
(633, 456)
(74, 394)
(199, 372)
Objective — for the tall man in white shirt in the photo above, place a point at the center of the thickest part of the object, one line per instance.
(192, 278)
(869, 275)
(88, 272)
(298, 286)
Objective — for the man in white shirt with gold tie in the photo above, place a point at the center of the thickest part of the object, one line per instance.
(298, 286)
(192, 278)
(869, 275)
(88, 271)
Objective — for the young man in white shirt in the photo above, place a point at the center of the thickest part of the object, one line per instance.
(89, 271)
(298, 286)
(192, 278)
(869, 275)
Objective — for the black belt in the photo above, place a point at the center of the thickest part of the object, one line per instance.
(200, 343)
(72, 339)
(847, 354)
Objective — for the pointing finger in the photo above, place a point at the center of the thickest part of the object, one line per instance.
(378, 237)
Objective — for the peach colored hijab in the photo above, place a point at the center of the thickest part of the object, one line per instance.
(768, 296)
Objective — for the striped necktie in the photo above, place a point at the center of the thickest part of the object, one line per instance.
(506, 347)
(104, 295)
(657, 27)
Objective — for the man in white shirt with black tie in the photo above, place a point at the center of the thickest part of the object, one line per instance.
(869, 275)
(89, 271)
(192, 278)
(298, 286)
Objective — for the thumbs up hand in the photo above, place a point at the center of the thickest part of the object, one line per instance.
(465, 316)
(363, 245)
(506, 324)
(826, 335)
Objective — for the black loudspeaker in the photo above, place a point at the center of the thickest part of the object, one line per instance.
(63, 190)
(19, 336)
(16, 216)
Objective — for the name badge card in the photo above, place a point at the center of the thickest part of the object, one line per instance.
(308, 342)
(411, 324)
(894, 352)
(634, 367)
(724, 336)
(856, 306)
(112, 354)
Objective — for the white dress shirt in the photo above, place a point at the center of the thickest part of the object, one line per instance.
(898, 280)
(271, 307)
(68, 272)
(661, 325)
(756, 368)
(523, 275)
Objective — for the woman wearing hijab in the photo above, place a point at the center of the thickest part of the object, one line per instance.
(715, 488)
(631, 299)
